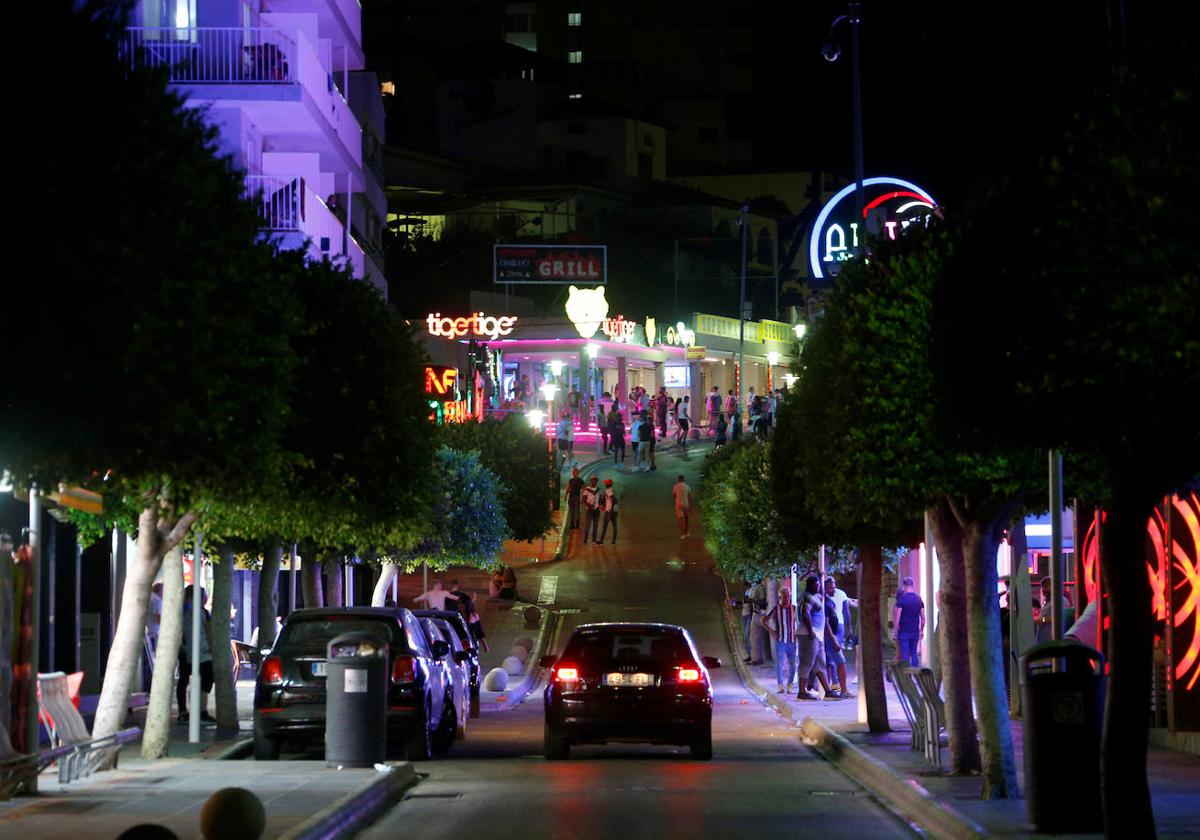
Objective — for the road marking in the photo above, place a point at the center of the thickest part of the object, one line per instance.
(548, 590)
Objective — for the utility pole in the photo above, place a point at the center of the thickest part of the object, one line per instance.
(1056, 555)
(737, 428)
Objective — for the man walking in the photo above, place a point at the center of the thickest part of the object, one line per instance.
(616, 434)
(781, 624)
(635, 439)
(836, 602)
(685, 420)
(591, 504)
(574, 490)
(756, 602)
(908, 622)
(649, 443)
(602, 426)
(713, 406)
(683, 506)
(810, 632)
(608, 504)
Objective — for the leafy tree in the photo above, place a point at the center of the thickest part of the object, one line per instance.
(466, 525)
(166, 317)
(517, 454)
(1097, 241)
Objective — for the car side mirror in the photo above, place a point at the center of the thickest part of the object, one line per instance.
(440, 649)
(461, 656)
(547, 661)
(710, 662)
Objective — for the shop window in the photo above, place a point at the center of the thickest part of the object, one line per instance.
(574, 18)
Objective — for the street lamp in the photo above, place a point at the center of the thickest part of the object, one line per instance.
(832, 50)
(556, 367)
(536, 418)
(741, 368)
(800, 329)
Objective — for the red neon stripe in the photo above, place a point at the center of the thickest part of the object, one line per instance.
(890, 196)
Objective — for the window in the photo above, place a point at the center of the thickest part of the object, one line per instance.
(387, 88)
(574, 18)
(575, 57)
(575, 96)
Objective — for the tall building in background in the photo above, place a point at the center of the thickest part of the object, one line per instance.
(283, 82)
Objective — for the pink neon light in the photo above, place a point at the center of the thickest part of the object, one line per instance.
(890, 196)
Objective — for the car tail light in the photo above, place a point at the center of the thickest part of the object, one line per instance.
(272, 671)
(403, 670)
(688, 675)
(566, 674)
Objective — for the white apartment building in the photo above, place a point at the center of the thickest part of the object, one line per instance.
(283, 82)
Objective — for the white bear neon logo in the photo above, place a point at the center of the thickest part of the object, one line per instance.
(587, 309)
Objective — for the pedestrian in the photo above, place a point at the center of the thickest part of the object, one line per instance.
(616, 434)
(570, 456)
(663, 409)
(573, 402)
(602, 426)
(574, 489)
(840, 611)
(591, 505)
(646, 433)
(1042, 631)
(835, 659)
(730, 404)
(635, 439)
(608, 505)
(683, 506)
(508, 584)
(435, 598)
(185, 658)
(561, 434)
(722, 428)
(713, 406)
(908, 623)
(769, 411)
(747, 617)
(684, 418)
(781, 624)
(810, 635)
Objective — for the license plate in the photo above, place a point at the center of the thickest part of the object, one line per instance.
(318, 669)
(629, 680)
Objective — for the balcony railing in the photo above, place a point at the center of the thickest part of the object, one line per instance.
(281, 201)
(286, 206)
(237, 56)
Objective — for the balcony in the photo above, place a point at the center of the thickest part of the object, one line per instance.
(296, 215)
(252, 61)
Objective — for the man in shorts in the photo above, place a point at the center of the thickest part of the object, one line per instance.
(683, 505)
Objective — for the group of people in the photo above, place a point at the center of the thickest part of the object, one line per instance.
(598, 503)
(808, 636)
(452, 597)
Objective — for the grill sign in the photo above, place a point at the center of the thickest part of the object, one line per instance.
(550, 264)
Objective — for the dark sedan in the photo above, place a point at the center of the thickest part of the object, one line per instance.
(289, 695)
(632, 683)
(469, 643)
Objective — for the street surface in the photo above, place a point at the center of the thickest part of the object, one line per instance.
(761, 780)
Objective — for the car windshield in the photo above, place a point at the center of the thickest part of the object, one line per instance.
(313, 635)
(450, 636)
(600, 649)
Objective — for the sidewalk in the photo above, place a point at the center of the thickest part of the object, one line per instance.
(950, 805)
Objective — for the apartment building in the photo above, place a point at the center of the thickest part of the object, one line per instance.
(283, 81)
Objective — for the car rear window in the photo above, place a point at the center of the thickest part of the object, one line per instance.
(602, 647)
(313, 635)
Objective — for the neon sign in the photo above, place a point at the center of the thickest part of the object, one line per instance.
(587, 309)
(890, 205)
(441, 383)
(618, 329)
(681, 336)
(484, 326)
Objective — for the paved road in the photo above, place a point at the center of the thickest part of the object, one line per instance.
(761, 780)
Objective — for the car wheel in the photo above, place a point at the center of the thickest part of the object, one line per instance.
(418, 742)
(475, 704)
(556, 746)
(448, 725)
(701, 749)
(265, 748)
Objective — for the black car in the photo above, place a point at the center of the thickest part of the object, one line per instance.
(289, 695)
(632, 683)
(469, 643)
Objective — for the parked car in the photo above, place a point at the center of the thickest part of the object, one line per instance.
(289, 694)
(463, 632)
(460, 673)
(633, 683)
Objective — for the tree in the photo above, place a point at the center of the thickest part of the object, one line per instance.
(1097, 240)
(517, 454)
(466, 525)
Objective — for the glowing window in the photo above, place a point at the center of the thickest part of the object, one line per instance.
(575, 96)
(574, 18)
(575, 57)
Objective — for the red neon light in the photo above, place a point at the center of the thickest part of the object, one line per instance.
(1156, 529)
(440, 382)
(890, 196)
(1188, 563)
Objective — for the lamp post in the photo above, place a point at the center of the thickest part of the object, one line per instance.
(832, 50)
(741, 369)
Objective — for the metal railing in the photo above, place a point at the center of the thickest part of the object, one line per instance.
(250, 55)
(281, 200)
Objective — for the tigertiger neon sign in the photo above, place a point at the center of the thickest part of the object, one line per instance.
(478, 324)
(618, 329)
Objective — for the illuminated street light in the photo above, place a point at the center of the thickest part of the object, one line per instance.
(536, 418)
(556, 367)
(549, 389)
(790, 379)
(593, 349)
(772, 358)
(800, 329)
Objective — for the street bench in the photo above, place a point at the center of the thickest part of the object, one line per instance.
(77, 752)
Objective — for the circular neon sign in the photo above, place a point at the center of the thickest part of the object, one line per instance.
(889, 206)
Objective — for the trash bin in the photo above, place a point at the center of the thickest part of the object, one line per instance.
(1062, 703)
(356, 701)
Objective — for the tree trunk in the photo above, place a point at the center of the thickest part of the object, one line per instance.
(6, 628)
(1127, 810)
(126, 647)
(982, 538)
(310, 582)
(156, 738)
(222, 653)
(268, 596)
(335, 578)
(952, 651)
(386, 575)
(871, 679)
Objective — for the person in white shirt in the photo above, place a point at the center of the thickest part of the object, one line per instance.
(683, 505)
(685, 420)
(608, 505)
(435, 598)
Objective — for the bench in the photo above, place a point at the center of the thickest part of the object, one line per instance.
(77, 752)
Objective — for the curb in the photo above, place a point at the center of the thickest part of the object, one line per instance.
(236, 751)
(517, 692)
(358, 809)
(906, 796)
